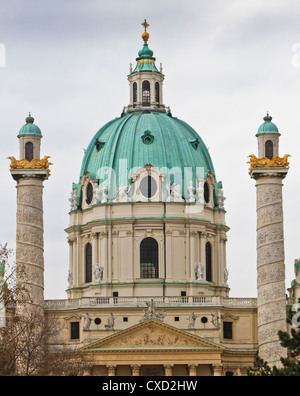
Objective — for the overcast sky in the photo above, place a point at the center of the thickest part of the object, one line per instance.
(226, 63)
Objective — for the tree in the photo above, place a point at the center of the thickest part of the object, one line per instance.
(289, 340)
(24, 338)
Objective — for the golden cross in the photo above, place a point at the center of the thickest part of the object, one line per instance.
(145, 24)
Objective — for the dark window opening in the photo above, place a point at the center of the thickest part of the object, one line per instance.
(89, 193)
(125, 319)
(176, 318)
(88, 263)
(74, 330)
(146, 93)
(204, 319)
(29, 151)
(227, 330)
(134, 92)
(206, 192)
(269, 149)
(208, 258)
(149, 258)
(97, 321)
(157, 93)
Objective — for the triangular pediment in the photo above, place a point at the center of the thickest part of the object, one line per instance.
(152, 334)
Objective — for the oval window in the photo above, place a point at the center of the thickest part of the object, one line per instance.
(89, 193)
(148, 187)
(206, 192)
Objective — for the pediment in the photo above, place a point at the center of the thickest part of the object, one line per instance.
(152, 334)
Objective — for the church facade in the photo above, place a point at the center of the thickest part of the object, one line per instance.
(148, 289)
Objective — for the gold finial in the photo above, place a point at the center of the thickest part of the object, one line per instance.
(145, 35)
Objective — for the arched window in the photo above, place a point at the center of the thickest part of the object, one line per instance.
(208, 260)
(157, 92)
(134, 92)
(149, 258)
(269, 149)
(29, 151)
(88, 263)
(146, 93)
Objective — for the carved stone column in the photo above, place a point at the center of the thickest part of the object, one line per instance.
(217, 370)
(111, 370)
(135, 370)
(193, 370)
(30, 238)
(168, 370)
(271, 302)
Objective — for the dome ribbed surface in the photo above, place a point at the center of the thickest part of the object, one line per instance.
(172, 143)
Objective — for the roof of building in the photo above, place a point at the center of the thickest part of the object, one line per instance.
(30, 128)
(267, 126)
(146, 137)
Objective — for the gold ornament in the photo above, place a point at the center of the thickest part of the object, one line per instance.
(266, 162)
(33, 164)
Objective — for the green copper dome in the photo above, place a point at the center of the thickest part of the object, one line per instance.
(267, 126)
(128, 143)
(29, 128)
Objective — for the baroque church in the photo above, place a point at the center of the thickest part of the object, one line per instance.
(148, 290)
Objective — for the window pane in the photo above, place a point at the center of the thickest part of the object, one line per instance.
(208, 262)
(227, 330)
(157, 92)
(29, 151)
(88, 263)
(269, 149)
(146, 93)
(74, 330)
(134, 92)
(149, 258)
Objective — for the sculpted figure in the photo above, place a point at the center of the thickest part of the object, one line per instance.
(110, 322)
(192, 319)
(98, 272)
(87, 322)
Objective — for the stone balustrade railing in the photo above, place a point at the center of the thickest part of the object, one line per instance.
(159, 302)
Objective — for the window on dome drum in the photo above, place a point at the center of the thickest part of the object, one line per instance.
(206, 192)
(269, 149)
(29, 151)
(149, 258)
(208, 259)
(134, 93)
(157, 92)
(89, 193)
(148, 187)
(88, 263)
(146, 93)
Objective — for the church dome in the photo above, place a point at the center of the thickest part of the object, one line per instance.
(146, 137)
